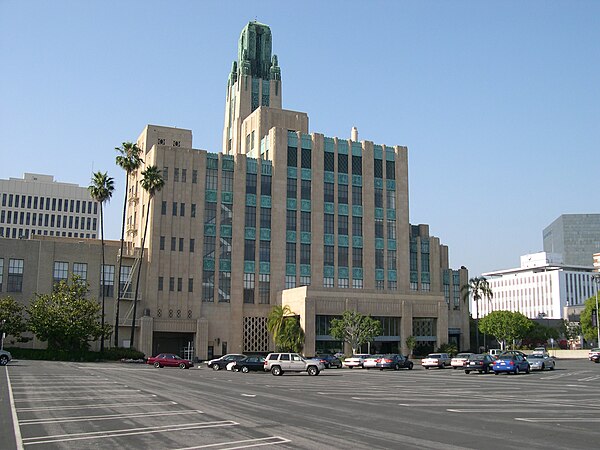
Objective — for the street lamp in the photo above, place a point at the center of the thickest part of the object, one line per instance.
(596, 278)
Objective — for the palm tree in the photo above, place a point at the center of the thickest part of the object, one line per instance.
(276, 321)
(101, 190)
(477, 288)
(129, 160)
(285, 328)
(152, 182)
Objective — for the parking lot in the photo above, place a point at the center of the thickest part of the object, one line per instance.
(113, 405)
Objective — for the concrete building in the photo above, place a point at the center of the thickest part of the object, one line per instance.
(575, 236)
(36, 204)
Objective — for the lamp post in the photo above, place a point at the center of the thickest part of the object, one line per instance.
(596, 278)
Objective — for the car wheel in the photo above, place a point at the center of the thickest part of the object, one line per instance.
(397, 367)
(426, 367)
(495, 373)
(410, 366)
(313, 371)
(467, 372)
(3, 360)
(543, 366)
(350, 367)
(157, 365)
(551, 367)
(245, 369)
(276, 370)
(517, 370)
(216, 367)
(183, 366)
(529, 369)
(486, 370)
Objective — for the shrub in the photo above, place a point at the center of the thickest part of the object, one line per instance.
(451, 349)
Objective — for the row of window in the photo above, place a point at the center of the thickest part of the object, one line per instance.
(177, 244)
(48, 220)
(177, 209)
(49, 203)
(179, 175)
(23, 233)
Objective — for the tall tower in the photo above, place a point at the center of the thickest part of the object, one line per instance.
(255, 80)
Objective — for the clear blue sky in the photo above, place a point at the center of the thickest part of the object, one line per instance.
(498, 102)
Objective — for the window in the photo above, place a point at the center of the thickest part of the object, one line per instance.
(357, 284)
(328, 255)
(343, 283)
(390, 199)
(192, 245)
(174, 208)
(264, 288)
(356, 165)
(290, 252)
(173, 243)
(292, 157)
(305, 221)
(15, 275)
(162, 243)
(160, 283)
(305, 280)
(390, 170)
(343, 193)
(180, 244)
(265, 251)
(305, 189)
(304, 253)
(328, 282)
(61, 272)
(357, 257)
(290, 281)
(225, 248)
(212, 179)
(208, 286)
(224, 287)
(210, 213)
(343, 225)
(194, 176)
(165, 173)
(306, 161)
(226, 214)
(248, 288)
(265, 185)
(227, 181)
(328, 161)
(292, 188)
(209, 246)
(183, 175)
(265, 217)
(182, 209)
(193, 210)
(107, 280)
(379, 285)
(356, 195)
(342, 163)
(250, 220)
(356, 226)
(379, 258)
(171, 284)
(391, 263)
(251, 183)
(190, 285)
(391, 229)
(249, 250)
(378, 168)
(328, 224)
(328, 193)
(343, 256)
(163, 210)
(80, 270)
(378, 228)
(176, 174)
(378, 198)
(290, 220)
(179, 284)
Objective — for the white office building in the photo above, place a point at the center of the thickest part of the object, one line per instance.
(36, 204)
(543, 286)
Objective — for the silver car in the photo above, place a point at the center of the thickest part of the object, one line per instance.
(5, 357)
(539, 361)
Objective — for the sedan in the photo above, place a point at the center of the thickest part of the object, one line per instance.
(460, 360)
(511, 364)
(371, 361)
(481, 363)
(592, 352)
(355, 360)
(394, 361)
(329, 361)
(169, 360)
(249, 363)
(223, 361)
(539, 361)
(440, 360)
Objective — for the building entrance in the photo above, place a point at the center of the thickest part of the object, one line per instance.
(163, 342)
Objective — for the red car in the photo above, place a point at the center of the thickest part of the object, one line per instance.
(170, 360)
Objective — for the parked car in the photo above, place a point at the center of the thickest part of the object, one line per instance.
(169, 360)
(221, 363)
(481, 363)
(540, 351)
(370, 362)
(495, 352)
(355, 360)
(440, 360)
(394, 361)
(329, 361)
(249, 363)
(5, 357)
(511, 363)
(460, 360)
(279, 363)
(541, 361)
(592, 352)
(596, 358)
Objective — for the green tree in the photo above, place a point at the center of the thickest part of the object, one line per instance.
(66, 318)
(129, 160)
(589, 331)
(12, 320)
(411, 343)
(506, 326)
(152, 182)
(355, 329)
(477, 288)
(101, 190)
(284, 327)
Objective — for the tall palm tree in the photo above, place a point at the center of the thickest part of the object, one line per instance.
(129, 160)
(101, 190)
(276, 321)
(477, 288)
(152, 182)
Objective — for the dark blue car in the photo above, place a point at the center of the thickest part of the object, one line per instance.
(511, 364)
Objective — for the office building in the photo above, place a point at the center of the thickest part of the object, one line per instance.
(575, 236)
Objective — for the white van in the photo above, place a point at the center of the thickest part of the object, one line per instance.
(495, 352)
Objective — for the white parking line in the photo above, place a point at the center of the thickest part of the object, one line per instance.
(88, 397)
(95, 405)
(559, 419)
(82, 391)
(13, 411)
(246, 443)
(108, 417)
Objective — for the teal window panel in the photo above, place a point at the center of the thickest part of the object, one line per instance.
(249, 267)
(225, 230)
(389, 153)
(343, 272)
(378, 183)
(292, 172)
(379, 274)
(356, 180)
(266, 168)
(390, 185)
(208, 264)
(425, 277)
(425, 246)
(250, 233)
(250, 199)
(224, 265)
(210, 196)
(227, 164)
(328, 144)
(305, 270)
(391, 214)
(290, 236)
(264, 267)
(265, 234)
(378, 152)
(379, 213)
(357, 273)
(343, 178)
(391, 244)
(392, 275)
(265, 201)
(292, 204)
(306, 174)
(306, 141)
(292, 139)
(329, 177)
(343, 240)
(290, 269)
(210, 229)
(227, 197)
(212, 161)
(251, 165)
(343, 209)
(305, 205)
(357, 241)
(379, 244)
(446, 277)
(357, 210)
(455, 277)
(414, 276)
(328, 271)
(413, 245)
(342, 147)
(329, 208)
(329, 239)
(356, 149)
(305, 237)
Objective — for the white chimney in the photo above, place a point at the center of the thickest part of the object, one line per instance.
(354, 134)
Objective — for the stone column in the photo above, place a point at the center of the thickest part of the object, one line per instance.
(145, 334)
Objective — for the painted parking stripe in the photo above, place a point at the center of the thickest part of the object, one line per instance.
(13, 410)
(95, 405)
(129, 432)
(109, 417)
(559, 419)
(246, 443)
(81, 391)
(87, 397)
(506, 410)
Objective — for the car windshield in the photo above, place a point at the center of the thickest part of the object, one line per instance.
(434, 355)
(476, 357)
(536, 356)
(462, 355)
